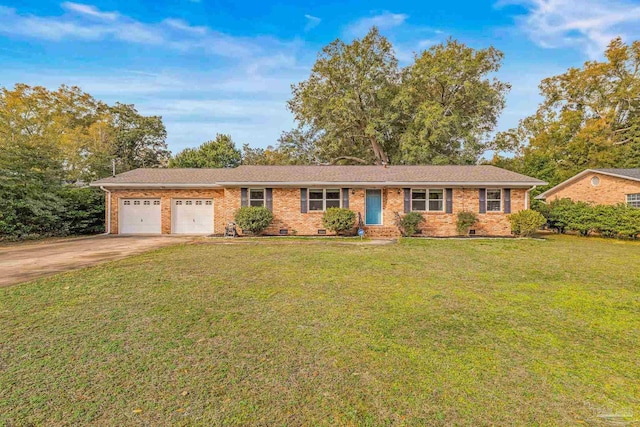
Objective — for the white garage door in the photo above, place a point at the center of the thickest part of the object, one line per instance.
(192, 216)
(140, 216)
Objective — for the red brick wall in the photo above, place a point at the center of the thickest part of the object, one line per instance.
(610, 191)
(287, 215)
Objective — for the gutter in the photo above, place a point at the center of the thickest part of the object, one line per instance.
(367, 184)
(527, 197)
(108, 222)
(152, 185)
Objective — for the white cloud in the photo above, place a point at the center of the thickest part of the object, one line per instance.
(384, 21)
(179, 24)
(86, 22)
(589, 26)
(87, 9)
(312, 22)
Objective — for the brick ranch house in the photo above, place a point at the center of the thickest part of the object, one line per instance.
(203, 201)
(599, 187)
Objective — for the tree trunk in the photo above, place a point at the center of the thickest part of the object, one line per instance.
(381, 156)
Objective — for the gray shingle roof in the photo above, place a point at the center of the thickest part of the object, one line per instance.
(629, 173)
(283, 175)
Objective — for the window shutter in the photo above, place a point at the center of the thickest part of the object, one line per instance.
(345, 198)
(507, 200)
(269, 197)
(303, 200)
(482, 195)
(243, 197)
(407, 200)
(449, 200)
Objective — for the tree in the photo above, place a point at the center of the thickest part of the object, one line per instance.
(218, 153)
(53, 141)
(449, 105)
(139, 141)
(360, 107)
(348, 97)
(589, 118)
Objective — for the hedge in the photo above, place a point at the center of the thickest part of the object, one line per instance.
(619, 221)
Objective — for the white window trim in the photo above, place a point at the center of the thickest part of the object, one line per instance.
(426, 206)
(264, 196)
(324, 198)
(629, 202)
(487, 200)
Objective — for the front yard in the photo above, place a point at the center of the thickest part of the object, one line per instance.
(291, 332)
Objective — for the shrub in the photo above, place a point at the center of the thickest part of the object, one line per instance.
(629, 221)
(466, 220)
(609, 221)
(556, 213)
(581, 217)
(526, 222)
(408, 224)
(253, 218)
(339, 220)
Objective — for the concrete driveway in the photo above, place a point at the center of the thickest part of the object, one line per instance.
(28, 261)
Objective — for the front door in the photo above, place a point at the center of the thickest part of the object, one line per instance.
(373, 207)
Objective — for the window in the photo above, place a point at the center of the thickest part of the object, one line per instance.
(136, 202)
(156, 202)
(256, 197)
(595, 181)
(633, 200)
(427, 200)
(436, 200)
(188, 203)
(208, 202)
(321, 199)
(419, 200)
(127, 202)
(494, 200)
(178, 202)
(147, 202)
(198, 202)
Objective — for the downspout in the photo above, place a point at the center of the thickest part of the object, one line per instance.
(527, 202)
(108, 228)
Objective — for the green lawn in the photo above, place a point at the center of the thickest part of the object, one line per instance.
(292, 332)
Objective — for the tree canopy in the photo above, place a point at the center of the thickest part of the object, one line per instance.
(54, 141)
(589, 118)
(362, 106)
(218, 153)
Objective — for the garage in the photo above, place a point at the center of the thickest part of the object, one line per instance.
(140, 216)
(192, 216)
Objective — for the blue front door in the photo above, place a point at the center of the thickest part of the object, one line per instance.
(373, 207)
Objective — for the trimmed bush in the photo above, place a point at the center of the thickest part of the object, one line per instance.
(339, 220)
(557, 214)
(608, 221)
(525, 223)
(408, 224)
(465, 221)
(253, 218)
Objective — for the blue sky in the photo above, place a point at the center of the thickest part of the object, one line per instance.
(224, 66)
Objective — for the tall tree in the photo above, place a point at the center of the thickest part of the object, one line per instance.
(347, 99)
(219, 153)
(361, 107)
(449, 104)
(590, 117)
(139, 141)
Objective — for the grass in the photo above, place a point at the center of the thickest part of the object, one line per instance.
(435, 332)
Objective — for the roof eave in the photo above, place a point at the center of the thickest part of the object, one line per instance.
(151, 185)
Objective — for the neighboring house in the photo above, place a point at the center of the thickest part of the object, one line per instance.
(203, 201)
(599, 187)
